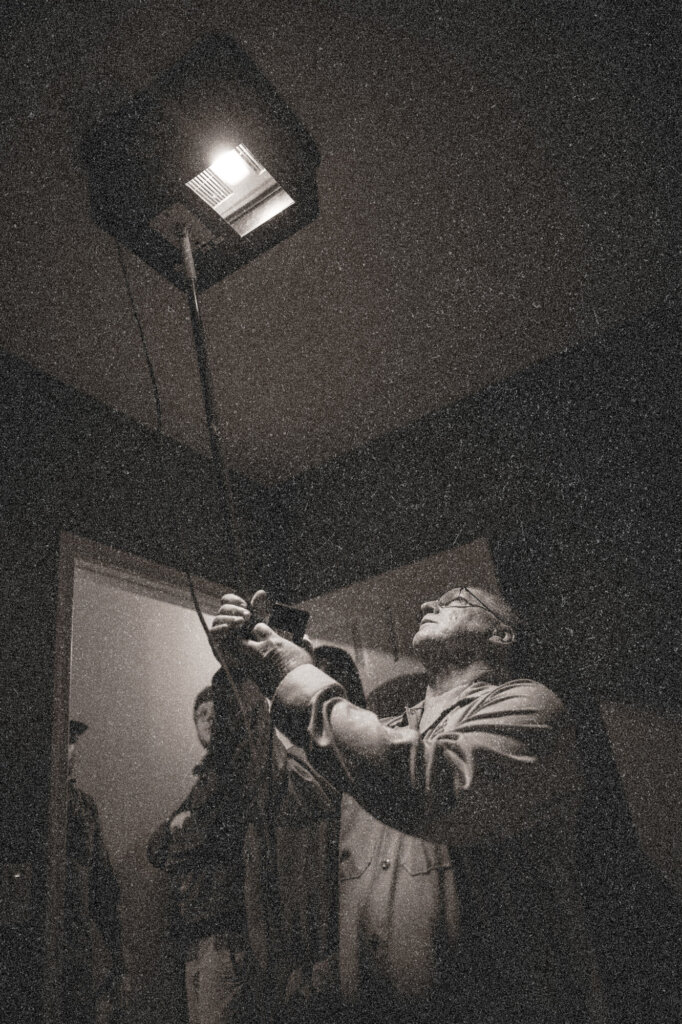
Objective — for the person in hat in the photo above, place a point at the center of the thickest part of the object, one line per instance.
(201, 845)
(93, 964)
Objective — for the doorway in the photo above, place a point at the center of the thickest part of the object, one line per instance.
(132, 655)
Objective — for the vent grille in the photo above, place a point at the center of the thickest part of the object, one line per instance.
(209, 187)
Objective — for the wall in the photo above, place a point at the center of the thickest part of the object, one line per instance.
(567, 468)
(647, 751)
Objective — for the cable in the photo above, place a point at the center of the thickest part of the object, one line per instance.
(222, 470)
(215, 450)
(218, 657)
(159, 427)
(133, 306)
(223, 474)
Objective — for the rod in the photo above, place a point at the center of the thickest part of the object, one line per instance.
(214, 435)
(263, 821)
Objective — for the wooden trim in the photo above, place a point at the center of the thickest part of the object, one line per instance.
(139, 574)
(56, 834)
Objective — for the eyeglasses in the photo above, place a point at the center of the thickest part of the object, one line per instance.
(455, 599)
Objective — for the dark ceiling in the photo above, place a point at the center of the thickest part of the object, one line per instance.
(497, 184)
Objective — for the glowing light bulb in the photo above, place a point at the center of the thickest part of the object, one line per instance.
(231, 167)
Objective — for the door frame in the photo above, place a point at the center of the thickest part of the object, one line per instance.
(167, 584)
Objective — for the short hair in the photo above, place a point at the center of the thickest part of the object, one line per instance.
(338, 664)
(496, 604)
(500, 607)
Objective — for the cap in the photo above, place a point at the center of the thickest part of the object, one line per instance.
(76, 729)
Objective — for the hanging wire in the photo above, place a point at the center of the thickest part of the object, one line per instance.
(136, 315)
(159, 426)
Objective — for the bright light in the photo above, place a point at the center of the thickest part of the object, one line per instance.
(240, 190)
(231, 167)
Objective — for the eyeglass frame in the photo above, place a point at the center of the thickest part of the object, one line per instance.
(478, 603)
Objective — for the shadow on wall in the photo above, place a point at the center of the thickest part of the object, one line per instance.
(647, 749)
(375, 619)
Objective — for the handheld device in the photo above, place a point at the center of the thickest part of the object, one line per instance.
(288, 622)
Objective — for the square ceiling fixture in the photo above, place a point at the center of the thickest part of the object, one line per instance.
(210, 147)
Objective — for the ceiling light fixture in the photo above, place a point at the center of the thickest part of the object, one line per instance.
(209, 148)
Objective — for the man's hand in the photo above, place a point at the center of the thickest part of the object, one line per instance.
(266, 655)
(278, 656)
(234, 614)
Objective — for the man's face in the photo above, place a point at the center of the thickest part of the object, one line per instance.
(462, 619)
(204, 720)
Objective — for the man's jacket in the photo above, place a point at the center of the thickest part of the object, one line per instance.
(205, 855)
(457, 883)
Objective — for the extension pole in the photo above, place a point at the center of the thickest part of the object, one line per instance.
(264, 822)
(214, 435)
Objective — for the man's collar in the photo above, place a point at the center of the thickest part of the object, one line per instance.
(434, 707)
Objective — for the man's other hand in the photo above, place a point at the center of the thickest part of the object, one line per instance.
(263, 654)
(277, 655)
(228, 628)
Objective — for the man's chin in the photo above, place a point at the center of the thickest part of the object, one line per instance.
(422, 644)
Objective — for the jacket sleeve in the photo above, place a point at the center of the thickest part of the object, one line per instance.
(161, 848)
(157, 847)
(104, 895)
(468, 781)
(103, 887)
(302, 793)
(216, 817)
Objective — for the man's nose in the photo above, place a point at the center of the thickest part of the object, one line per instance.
(429, 606)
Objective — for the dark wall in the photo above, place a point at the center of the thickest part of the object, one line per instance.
(570, 469)
(68, 463)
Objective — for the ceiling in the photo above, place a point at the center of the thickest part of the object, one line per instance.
(497, 184)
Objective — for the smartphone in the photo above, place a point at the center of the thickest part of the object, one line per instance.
(289, 622)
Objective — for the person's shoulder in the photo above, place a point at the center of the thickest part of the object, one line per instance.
(84, 803)
(526, 695)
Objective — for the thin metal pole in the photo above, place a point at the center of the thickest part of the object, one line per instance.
(218, 461)
(263, 821)
(214, 435)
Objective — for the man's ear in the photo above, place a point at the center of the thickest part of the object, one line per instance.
(503, 635)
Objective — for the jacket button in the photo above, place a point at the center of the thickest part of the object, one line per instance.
(344, 854)
(385, 864)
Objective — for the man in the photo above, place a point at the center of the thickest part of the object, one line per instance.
(458, 897)
(201, 846)
(93, 953)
